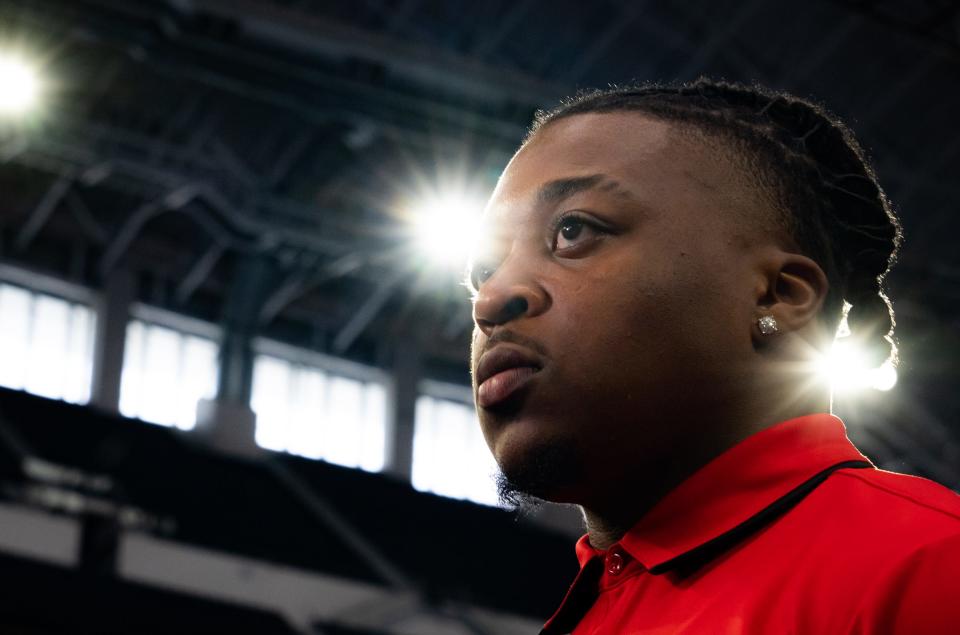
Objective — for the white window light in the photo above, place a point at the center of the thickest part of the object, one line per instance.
(306, 407)
(165, 373)
(46, 344)
(450, 455)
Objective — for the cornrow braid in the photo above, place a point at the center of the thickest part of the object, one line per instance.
(810, 167)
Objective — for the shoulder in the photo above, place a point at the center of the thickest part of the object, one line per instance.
(917, 594)
(905, 532)
(900, 502)
(860, 522)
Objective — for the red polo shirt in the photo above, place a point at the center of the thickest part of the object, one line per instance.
(790, 531)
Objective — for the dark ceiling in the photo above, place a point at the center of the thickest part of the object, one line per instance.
(195, 141)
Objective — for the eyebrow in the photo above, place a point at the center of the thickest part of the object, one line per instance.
(557, 190)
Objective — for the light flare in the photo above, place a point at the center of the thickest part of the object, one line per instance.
(846, 369)
(446, 226)
(19, 85)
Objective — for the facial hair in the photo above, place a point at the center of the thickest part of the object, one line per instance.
(547, 472)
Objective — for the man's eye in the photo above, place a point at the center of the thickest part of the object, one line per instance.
(573, 231)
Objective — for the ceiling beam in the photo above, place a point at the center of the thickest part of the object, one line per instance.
(426, 65)
(419, 120)
(44, 209)
(279, 219)
(600, 44)
(720, 38)
(896, 24)
(306, 280)
(368, 311)
(288, 157)
(173, 199)
(91, 227)
(199, 272)
(505, 25)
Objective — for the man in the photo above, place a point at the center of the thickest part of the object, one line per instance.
(659, 268)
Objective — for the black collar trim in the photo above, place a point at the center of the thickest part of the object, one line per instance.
(686, 563)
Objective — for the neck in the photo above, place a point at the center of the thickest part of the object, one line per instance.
(603, 534)
(607, 520)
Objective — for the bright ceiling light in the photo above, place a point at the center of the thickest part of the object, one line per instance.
(19, 85)
(846, 370)
(446, 227)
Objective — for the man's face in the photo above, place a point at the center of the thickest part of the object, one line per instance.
(618, 307)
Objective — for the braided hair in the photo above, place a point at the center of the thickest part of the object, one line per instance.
(808, 164)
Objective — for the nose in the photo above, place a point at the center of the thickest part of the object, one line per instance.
(509, 294)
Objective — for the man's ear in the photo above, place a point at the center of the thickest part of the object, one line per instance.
(793, 289)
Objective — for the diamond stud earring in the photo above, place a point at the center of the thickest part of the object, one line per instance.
(768, 325)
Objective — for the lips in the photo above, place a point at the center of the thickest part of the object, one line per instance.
(502, 371)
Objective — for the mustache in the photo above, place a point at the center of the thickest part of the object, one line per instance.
(511, 337)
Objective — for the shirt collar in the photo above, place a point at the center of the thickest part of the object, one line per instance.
(734, 487)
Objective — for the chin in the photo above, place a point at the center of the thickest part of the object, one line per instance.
(548, 468)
